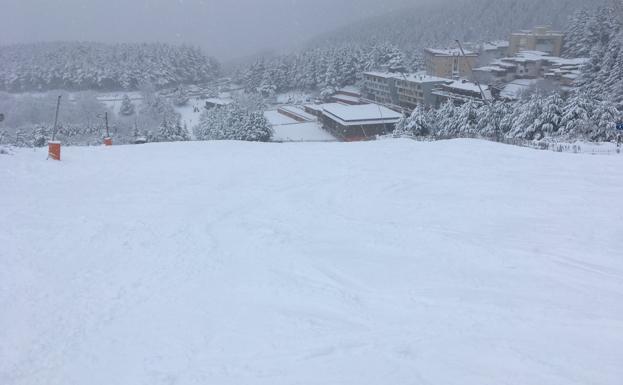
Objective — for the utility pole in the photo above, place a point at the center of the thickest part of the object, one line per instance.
(58, 107)
(482, 93)
(107, 130)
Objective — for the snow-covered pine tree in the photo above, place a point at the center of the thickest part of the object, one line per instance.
(576, 116)
(490, 119)
(605, 117)
(257, 128)
(40, 136)
(171, 129)
(233, 123)
(551, 115)
(417, 124)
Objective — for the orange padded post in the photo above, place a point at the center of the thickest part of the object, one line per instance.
(54, 150)
(107, 141)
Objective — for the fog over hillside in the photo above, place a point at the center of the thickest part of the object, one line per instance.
(220, 27)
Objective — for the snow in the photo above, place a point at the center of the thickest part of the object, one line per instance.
(300, 112)
(417, 77)
(345, 98)
(189, 116)
(301, 132)
(514, 89)
(388, 262)
(294, 97)
(461, 85)
(219, 101)
(275, 118)
(361, 114)
(351, 89)
(286, 129)
(113, 100)
(451, 52)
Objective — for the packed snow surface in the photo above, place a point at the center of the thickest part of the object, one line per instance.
(390, 262)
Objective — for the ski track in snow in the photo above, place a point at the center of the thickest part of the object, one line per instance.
(457, 262)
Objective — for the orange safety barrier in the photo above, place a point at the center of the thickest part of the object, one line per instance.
(107, 141)
(54, 150)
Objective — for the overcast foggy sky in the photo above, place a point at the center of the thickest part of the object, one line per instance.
(224, 28)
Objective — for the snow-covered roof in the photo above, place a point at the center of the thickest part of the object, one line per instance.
(298, 111)
(497, 44)
(535, 32)
(466, 86)
(462, 89)
(379, 74)
(350, 89)
(538, 56)
(315, 107)
(422, 77)
(348, 115)
(276, 119)
(491, 68)
(417, 77)
(487, 45)
(449, 52)
(514, 89)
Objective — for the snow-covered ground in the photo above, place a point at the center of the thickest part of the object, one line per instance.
(286, 129)
(301, 132)
(388, 262)
(294, 97)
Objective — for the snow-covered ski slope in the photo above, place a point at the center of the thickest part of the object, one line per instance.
(390, 262)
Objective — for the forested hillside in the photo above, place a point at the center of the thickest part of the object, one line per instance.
(97, 66)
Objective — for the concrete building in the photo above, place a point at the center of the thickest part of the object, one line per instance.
(539, 39)
(358, 122)
(533, 65)
(403, 90)
(417, 89)
(380, 87)
(449, 63)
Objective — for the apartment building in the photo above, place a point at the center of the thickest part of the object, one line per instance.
(449, 63)
(538, 39)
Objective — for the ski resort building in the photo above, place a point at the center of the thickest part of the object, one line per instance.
(538, 39)
(358, 122)
(449, 63)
